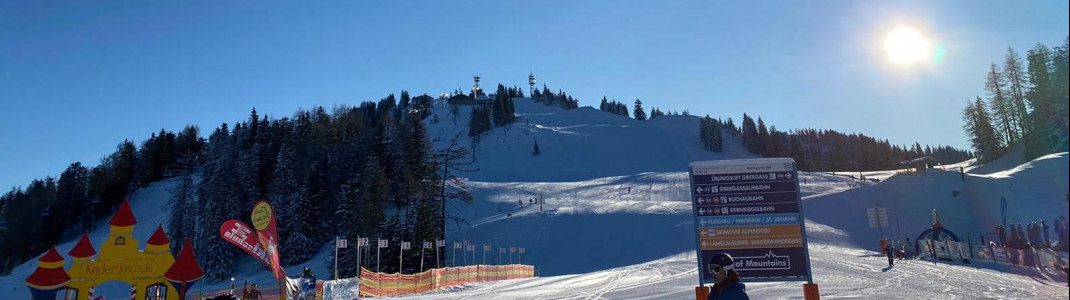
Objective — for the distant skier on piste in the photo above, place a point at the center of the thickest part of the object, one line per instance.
(890, 252)
(726, 281)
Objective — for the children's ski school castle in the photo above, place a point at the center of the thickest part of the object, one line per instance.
(154, 274)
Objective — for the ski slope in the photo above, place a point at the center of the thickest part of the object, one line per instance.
(577, 144)
(613, 218)
(596, 240)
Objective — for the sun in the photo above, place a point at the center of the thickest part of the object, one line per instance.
(906, 46)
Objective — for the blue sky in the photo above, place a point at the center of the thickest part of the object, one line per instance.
(78, 78)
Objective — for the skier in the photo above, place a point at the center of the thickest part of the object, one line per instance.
(962, 173)
(726, 281)
(890, 252)
(254, 294)
(307, 289)
(917, 248)
(1046, 239)
(1003, 235)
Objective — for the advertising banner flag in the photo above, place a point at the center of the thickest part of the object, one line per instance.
(512, 249)
(457, 245)
(241, 235)
(383, 243)
(487, 248)
(405, 245)
(427, 245)
(263, 218)
(343, 243)
(440, 243)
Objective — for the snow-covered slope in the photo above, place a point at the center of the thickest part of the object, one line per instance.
(577, 144)
(614, 218)
(596, 239)
(1014, 156)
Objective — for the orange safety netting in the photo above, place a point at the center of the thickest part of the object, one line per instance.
(374, 284)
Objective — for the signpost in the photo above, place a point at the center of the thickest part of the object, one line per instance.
(750, 209)
(338, 244)
(438, 244)
(878, 217)
(426, 245)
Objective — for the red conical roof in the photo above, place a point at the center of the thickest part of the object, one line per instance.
(84, 248)
(51, 256)
(185, 268)
(124, 217)
(158, 238)
(49, 274)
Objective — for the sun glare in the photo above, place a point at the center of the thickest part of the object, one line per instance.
(906, 46)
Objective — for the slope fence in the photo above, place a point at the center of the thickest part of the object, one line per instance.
(374, 284)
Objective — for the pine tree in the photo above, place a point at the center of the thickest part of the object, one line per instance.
(1041, 96)
(1059, 112)
(604, 105)
(1015, 77)
(639, 113)
(986, 142)
(1001, 102)
(182, 223)
(451, 160)
(73, 188)
(749, 131)
(218, 197)
(762, 141)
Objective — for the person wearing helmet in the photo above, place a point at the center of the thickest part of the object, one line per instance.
(726, 281)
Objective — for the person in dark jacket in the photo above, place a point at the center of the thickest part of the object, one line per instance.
(890, 252)
(726, 281)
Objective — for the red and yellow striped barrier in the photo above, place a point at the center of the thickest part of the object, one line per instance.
(374, 284)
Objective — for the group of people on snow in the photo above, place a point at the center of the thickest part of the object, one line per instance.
(1034, 235)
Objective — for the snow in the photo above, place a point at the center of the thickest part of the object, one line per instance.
(1015, 156)
(595, 240)
(615, 219)
(578, 144)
